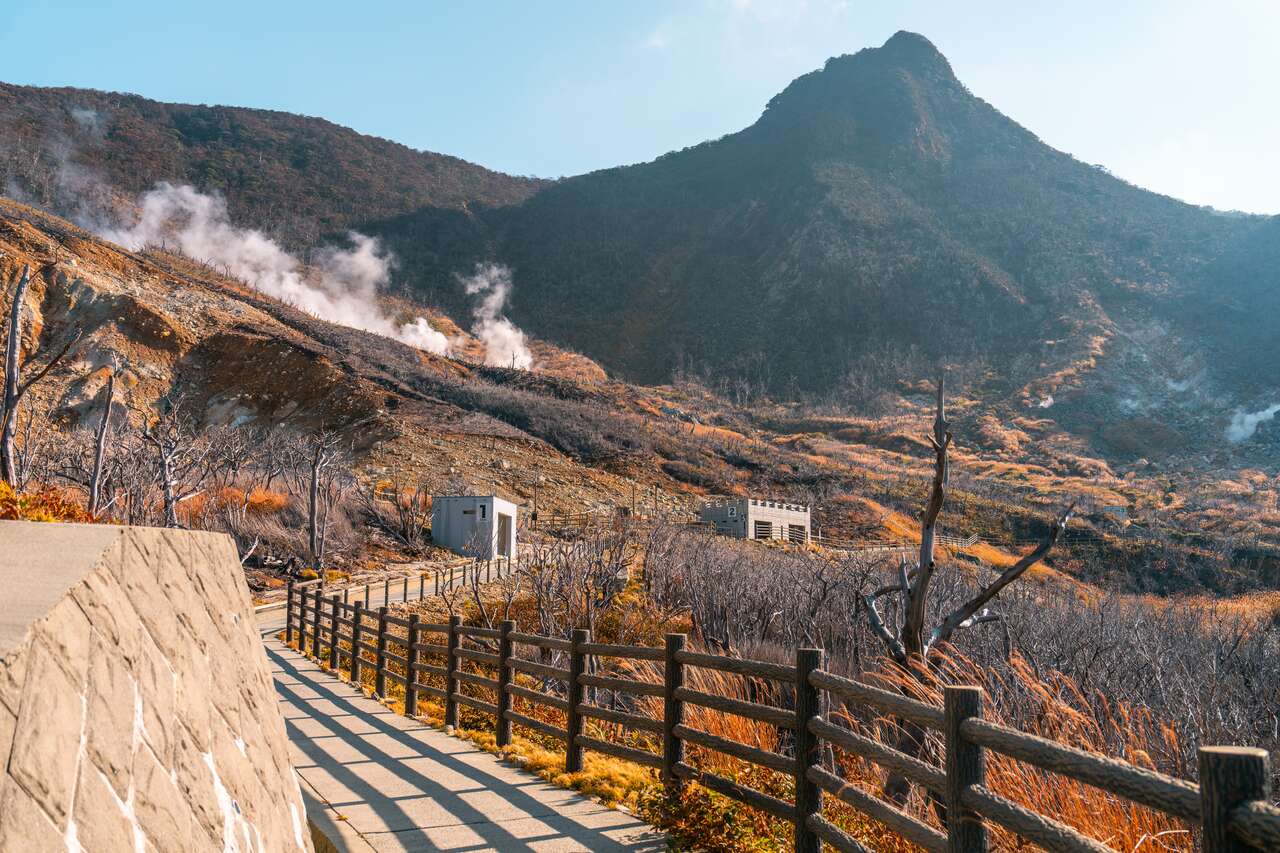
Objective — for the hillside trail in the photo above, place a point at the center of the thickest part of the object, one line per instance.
(374, 780)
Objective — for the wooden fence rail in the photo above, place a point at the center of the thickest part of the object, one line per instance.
(1231, 805)
(450, 577)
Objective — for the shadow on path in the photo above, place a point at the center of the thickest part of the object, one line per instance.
(400, 785)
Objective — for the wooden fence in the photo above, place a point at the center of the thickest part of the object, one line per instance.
(450, 577)
(1231, 805)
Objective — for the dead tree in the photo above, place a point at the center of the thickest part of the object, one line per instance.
(184, 459)
(37, 451)
(320, 466)
(914, 650)
(15, 386)
(88, 462)
(321, 456)
(100, 449)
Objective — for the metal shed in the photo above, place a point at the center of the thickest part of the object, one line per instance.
(481, 526)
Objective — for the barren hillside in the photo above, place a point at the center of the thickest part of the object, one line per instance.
(584, 442)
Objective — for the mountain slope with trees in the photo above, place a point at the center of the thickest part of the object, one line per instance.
(877, 209)
(298, 178)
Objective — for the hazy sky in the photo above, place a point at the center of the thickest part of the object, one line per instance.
(1177, 96)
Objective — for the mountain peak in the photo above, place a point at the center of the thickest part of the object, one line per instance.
(879, 101)
(911, 51)
(907, 44)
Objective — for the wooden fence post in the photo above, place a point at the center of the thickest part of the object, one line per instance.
(315, 624)
(288, 613)
(302, 620)
(451, 672)
(410, 671)
(386, 590)
(808, 750)
(577, 666)
(966, 765)
(504, 679)
(346, 595)
(422, 586)
(672, 715)
(435, 578)
(333, 632)
(357, 636)
(380, 675)
(1229, 777)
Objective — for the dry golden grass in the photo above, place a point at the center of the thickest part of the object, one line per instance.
(991, 555)
(1257, 608)
(1061, 712)
(258, 501)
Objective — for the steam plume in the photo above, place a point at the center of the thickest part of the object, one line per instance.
(343, 291)
(90, 122)
(1245, 424)
(504, 344)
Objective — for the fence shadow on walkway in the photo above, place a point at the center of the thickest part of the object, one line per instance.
(404, 786)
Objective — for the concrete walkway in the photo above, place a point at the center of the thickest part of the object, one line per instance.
(375, 780)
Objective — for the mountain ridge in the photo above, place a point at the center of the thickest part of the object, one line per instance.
(877, 220)
(58, 145)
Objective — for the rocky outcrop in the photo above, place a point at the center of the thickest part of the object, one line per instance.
(136, 706)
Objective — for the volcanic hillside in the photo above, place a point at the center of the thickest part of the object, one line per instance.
(170, 327)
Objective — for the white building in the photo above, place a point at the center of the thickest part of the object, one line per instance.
(482, 526)
(750, 518)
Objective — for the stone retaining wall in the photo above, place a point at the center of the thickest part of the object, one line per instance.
(137, 711)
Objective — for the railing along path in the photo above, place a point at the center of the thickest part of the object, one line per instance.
(452, 576)
(1231, 805)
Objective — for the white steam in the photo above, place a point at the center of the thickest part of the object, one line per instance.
(343, 289)
(504, 344)
(1245, 424)
(90, 122)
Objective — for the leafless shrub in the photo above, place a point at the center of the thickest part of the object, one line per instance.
(1212, 675)
(571, 583)
(398, 509)
(319, 472)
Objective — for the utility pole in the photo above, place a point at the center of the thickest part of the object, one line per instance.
(537, 478)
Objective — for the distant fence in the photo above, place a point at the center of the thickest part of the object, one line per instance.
(452, 576)
(873, 546)
(1231, 805)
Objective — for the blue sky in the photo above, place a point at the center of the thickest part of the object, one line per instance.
(1177, 96)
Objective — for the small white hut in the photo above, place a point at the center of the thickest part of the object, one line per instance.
(482, 526)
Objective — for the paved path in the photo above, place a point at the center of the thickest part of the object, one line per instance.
(375, 780)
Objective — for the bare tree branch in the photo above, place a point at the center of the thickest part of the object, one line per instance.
(958, 617)
(50, 365)
(891, 642)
